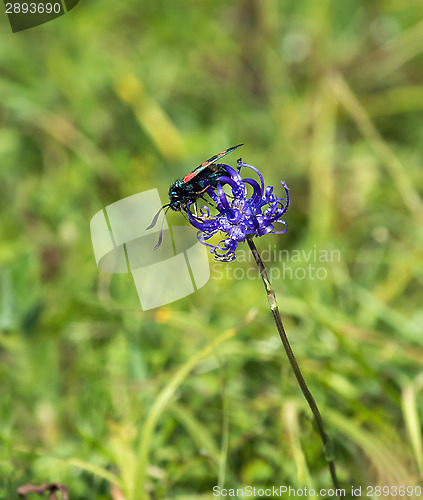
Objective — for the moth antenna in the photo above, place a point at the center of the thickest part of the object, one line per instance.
(154, 221)
(159, 242)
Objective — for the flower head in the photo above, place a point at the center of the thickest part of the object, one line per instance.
(238, 215)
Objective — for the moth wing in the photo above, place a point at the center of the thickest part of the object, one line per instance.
(209, 162)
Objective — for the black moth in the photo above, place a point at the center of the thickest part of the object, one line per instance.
(184, 192)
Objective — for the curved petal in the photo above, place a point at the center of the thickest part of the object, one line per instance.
(233, 173)
(256, 170)
(256, 196)
(202, 238)
(222, 197)
(287, 196)
(284, 230)
(214, 197)
(234, 216)
(203, 224)
(236, 188)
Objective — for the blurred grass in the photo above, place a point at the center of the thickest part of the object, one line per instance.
(116, 98)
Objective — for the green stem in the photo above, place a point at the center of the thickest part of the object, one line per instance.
(299, 376)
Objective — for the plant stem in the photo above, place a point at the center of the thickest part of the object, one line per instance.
(305, 390)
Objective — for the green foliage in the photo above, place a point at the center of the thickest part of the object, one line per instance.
(119, 97)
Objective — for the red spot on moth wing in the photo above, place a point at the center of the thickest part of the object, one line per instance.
(208, 162)
(189, 176)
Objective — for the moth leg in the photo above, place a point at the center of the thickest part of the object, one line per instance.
(203, 191)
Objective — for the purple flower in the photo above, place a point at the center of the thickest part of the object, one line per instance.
(239, 215)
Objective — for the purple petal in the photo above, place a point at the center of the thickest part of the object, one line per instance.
(284, 231)
(233, 173)
(213, 196)
(236, 188)
(256, 196)
(203, 224)
(234, 216)
(256, 170)
(222, 197)
(287, 196)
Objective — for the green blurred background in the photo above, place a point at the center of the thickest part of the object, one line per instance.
(115, 98)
